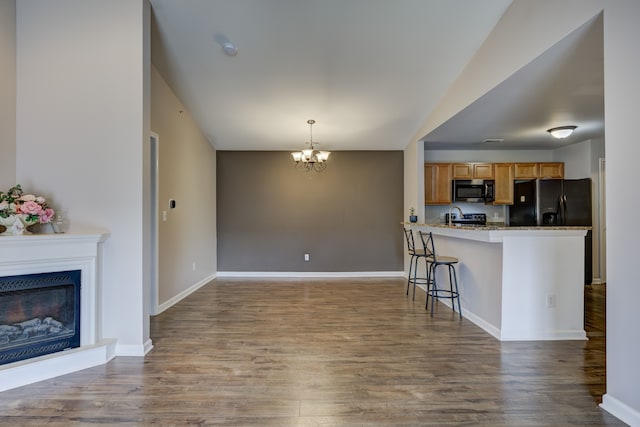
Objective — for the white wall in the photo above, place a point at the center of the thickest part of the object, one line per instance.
(187, 173)
(413, 181)
(7, 94)
(527, 30)
(490, 156)
(576, 158)
(622, 91)
(82, 122)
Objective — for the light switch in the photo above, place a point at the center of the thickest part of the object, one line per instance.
(523, 199)
(164, 215)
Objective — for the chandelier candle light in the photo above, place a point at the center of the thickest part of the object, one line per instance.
(310, 158)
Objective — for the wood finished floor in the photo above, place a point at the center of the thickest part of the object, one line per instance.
(327, 353)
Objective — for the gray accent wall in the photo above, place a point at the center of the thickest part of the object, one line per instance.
(347, 218)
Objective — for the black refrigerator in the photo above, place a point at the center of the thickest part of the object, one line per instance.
(555, 202)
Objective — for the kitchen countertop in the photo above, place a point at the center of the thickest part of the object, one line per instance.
(496, 233)
(496, 226)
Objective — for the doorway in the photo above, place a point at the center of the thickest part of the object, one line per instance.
(602, 223)
(154, 238)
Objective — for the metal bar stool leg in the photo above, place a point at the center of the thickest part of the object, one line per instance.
(415, 278)
(409, 275)
(455, 277)
(434, 288)
(427, 267)
(453, 295)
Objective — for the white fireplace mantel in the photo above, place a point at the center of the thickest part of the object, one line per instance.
(43, 253)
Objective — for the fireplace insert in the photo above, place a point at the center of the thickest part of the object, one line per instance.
(39, 314)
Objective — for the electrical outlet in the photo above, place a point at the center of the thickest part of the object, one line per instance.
(551, 300)
(164, 215)
(306, 257)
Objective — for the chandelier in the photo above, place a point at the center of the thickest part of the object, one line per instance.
(310, 158)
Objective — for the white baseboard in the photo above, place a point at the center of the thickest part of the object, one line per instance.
(307, 274)
(182, 295)
(620, 410)
(52, 365)
(134, 350)
(498, 334)
(472, 317)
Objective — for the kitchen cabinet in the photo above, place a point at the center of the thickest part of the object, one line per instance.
(503, 190)
(525, 170)
(539, 170)
(551, 170)
(473, 171)
(438, 178)
(437, 183)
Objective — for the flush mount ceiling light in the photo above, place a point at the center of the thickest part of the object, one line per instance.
(230, 49)
(310, 158)
(562, 131)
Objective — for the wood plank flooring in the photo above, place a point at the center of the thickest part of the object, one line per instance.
(327, 353)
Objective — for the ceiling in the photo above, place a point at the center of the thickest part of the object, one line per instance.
(563, 86)
(369, 72)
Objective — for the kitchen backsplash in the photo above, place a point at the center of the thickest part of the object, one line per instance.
(436, 213)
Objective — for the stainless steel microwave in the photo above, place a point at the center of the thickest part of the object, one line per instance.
(474, 190)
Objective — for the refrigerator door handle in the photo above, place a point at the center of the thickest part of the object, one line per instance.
(563, 199)
(560, 210)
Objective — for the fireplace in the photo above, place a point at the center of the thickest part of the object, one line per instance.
(39, 314)
(59, 256)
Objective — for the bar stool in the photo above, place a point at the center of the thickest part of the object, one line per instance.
(434, 261)
(415, 254)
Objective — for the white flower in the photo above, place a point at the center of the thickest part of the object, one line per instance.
(27, 198)
(4, 205)
(40, 200)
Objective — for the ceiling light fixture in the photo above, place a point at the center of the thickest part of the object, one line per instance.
(562, 131)
(310, 158)
(230, 49)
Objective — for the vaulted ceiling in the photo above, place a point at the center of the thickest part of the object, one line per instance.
(369, 72)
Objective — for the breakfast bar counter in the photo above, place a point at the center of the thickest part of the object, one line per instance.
(517, 283)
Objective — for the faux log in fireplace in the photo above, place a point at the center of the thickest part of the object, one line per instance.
(39, 314)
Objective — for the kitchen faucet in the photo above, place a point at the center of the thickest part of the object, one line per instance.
(451, 209)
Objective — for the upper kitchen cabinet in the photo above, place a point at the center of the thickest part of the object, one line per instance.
(437, 183)
(551, 170)
(539, 170)
(503, 190)
(473, 171)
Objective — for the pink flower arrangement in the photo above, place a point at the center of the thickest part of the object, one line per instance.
(33, 209)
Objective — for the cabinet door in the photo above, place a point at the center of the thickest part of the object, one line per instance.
(551, 170)
(437, 183)
(463, 171)
(504, 183)
(483, 171)
(525, 170)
